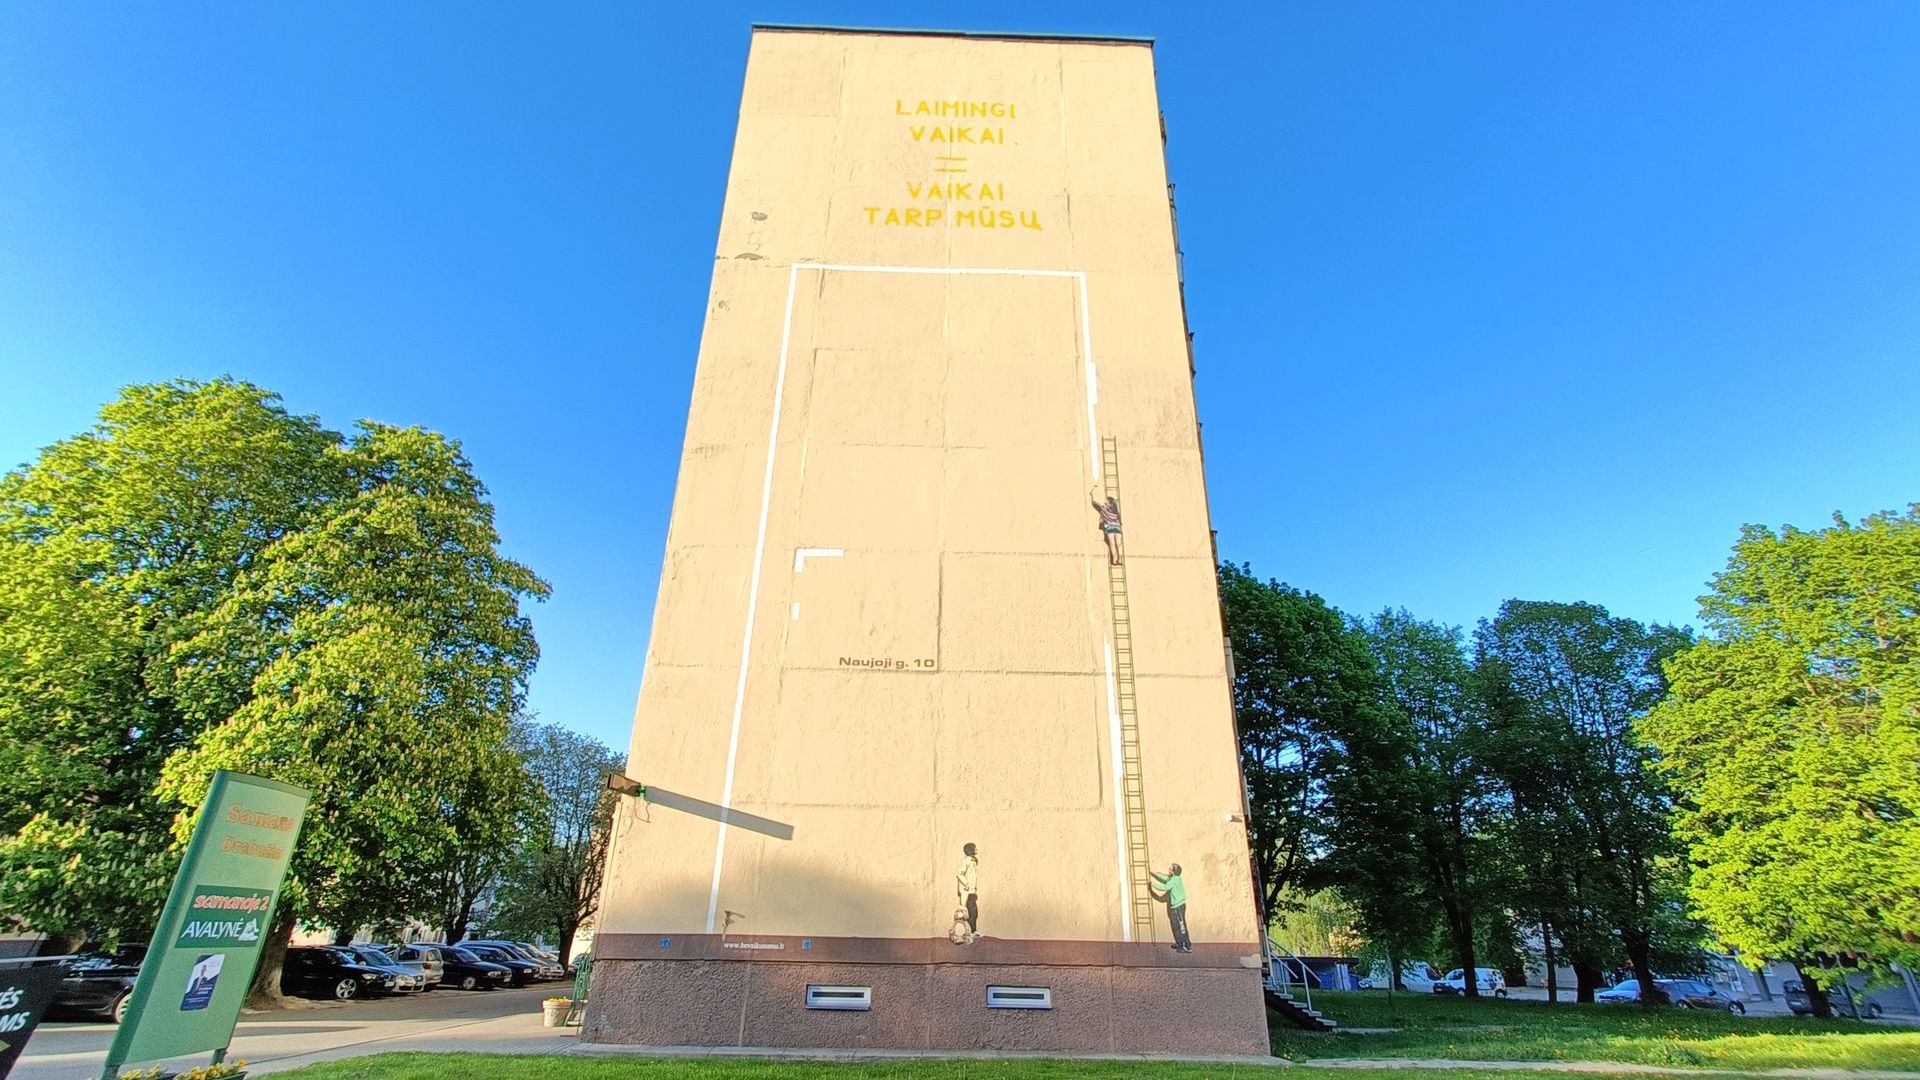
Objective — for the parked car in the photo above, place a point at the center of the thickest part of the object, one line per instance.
(99, 982)
(521, 970)
(1800, 1004)
(556, 968)
(560, 968)
(1698, 994)
(1417, 977)
(1625, 991)
(407, 978)
(548, 965)
(461, 968)
(330, 972)
(1487, 981)
(428, 962)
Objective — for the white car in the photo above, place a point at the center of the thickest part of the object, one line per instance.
(1489, 981)
(1417, 977)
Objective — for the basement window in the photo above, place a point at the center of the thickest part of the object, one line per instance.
(1019, 997)
(843, 998)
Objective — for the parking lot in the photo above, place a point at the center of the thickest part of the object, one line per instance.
(503, 1021)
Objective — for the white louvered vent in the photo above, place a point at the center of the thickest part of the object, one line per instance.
(851, 998)
(1019, 997)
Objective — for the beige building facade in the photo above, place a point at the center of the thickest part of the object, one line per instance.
(936, 699)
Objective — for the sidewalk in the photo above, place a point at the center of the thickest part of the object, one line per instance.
(498, 1022)
(516, 1034)
(1616, 1068)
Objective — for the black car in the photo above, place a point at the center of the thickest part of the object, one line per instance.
(521, 971)
(1797, 1001)
(99, 982)
(1698, 994)
(460, 967)
(326, 972)
(1799, 1004)
(545, 966)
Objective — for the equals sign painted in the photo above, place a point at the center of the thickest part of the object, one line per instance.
(951, 164)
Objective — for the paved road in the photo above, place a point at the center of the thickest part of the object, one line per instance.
(497, 1021)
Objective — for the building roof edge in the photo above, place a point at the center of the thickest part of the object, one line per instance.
(1108, 39)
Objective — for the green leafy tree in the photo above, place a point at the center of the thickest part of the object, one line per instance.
(485, 820)
(552, 885)
(1298, 672)
(1368, 834)
(1408, 802)
(1548, 871)
(116, 546)
(1320, 923)
(376, 658)
(1794, 732)
(1581, 679)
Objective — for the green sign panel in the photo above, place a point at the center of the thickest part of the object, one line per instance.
(207, 943)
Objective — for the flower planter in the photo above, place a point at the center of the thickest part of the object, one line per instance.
(554, 1012)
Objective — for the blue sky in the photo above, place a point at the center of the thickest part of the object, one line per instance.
(1492, 300)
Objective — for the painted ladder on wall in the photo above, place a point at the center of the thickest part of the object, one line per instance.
(1132, 792)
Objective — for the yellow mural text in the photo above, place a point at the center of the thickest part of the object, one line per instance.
(956, 191)
(985, 217)
(960, 110)
(954, 148)
(979, 136)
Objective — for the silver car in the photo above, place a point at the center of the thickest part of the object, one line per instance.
(427, 960)
(408, 978)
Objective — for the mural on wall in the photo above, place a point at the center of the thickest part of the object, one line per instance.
(1109, 509)
(966, 883)
(882, 639)
(1172, 892)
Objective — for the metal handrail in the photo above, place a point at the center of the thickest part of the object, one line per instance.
(1286, 972)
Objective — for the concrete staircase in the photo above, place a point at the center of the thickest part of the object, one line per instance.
(1296, 1013)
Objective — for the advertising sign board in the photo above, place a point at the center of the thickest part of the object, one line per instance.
(208, 940)
(24, 994)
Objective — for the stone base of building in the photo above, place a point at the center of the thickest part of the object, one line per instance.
(1096, 1008)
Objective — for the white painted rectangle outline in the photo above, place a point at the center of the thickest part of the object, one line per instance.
(760, 550)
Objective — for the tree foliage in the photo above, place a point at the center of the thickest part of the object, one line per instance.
(383, 655)
(205, 581)
(1576, 679)
(1299, 672)
(487, 818)
(1468, 798)
(1408, 804)
(1793, 730)
(551, 886)
(116, 547)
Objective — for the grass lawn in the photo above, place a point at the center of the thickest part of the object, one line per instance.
(1427, 1027)
(490, 1067)
(1494, 1030)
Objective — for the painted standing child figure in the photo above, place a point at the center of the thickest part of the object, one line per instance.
(1175, 895)
(1109, 525)
(967, 883)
